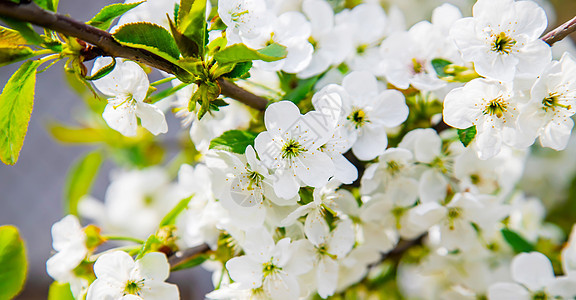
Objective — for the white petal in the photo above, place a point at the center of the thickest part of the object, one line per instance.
(115, 266)
(432, 186)
(507, 291)
(314, 168)
(534, 270)
(245, 271)
(371, 143)
(104, 290)
(154, 290)
(327, 276)
(316, 228)
(153, 266)
(286, 186)
(121, 118)
(342, 239)
(152, 118)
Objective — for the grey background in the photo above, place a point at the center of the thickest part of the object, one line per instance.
(31, 190)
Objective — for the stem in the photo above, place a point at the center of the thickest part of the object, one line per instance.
(161, 81)
(122, 238)
(560, 32)
(107, 46)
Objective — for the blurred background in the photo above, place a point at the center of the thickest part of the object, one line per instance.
(31, 191)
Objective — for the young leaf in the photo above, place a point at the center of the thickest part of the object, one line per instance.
(241, 53)
(192, 24)
(109, 13)
(240, 70)
(516, 241)
(103, 71)
(148, 36)
(16, 102)
(234, 141)
(60, 291)
(11, 38)
(467, 135)
(12, 55)
(12, 261)
(79, 180)
(439, 64)
(170, 218)
(303, 88)
(25, 29)
(150, 242)
(51, 5)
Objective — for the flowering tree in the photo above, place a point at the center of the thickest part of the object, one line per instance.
(332, 151)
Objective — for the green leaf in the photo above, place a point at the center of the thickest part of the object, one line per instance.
(234, 141)
(79, 180)
(516, 241)
(78, 135)
(241, 53)
(12, 55)
(206, 93)
(104, 18)
(25, 29)
(103, 71)
(16, 102)
(240, 70)
(13, 264)
(11, 38)
(51, 5)
(196, 261)
(192, 24)
(170, 218)
(151, 241)
(148, 36)
(60, 291)
(439, 64)
(303, 88)
(467, 135)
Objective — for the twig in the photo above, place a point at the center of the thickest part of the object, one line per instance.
(397, 253)
(560, 32)
(186, 255)
(107, 46)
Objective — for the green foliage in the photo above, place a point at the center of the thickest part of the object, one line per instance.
(240, 70)
(191, 23)
(51, 5)
(296, 89)
(170, 217)
(205, 94)
(13, 264)
(78, 135)
(151, 242)
(148, 36)
(467, 135)
(12, 47)
(241, 53)
(439, 66)
(104, 18)
(103, 71)
(25, 29)
(16, 102)
(60, 291)
(516, 241)
(80, 179)
(195, 261)
(234, 141)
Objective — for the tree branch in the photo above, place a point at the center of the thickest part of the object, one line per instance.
(186, 255)
(107, 46)
(560, 32)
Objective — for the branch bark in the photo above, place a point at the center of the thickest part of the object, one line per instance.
(107, 46)
(560, 32)
(186, 255)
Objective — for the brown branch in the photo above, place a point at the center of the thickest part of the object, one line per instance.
(107, 46)
(560, 32)
(186, 255)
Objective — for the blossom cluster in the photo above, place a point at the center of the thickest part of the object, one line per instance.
(331, 185)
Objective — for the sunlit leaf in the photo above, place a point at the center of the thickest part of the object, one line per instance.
(13, 264)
